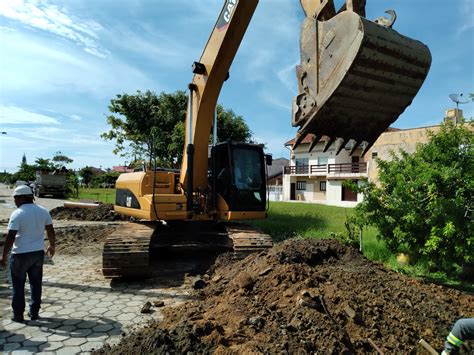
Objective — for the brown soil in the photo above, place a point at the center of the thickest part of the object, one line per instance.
(104, 212)
(82, 240)
(305, 296)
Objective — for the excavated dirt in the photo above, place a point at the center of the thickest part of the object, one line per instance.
(104, 212)
(82, 240)
(304, 296)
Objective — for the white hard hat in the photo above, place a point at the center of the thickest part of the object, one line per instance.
(22, 190)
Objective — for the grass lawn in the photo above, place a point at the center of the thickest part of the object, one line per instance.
(96, 194)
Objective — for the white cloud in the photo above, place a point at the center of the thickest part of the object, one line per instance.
(466, 11)
(17, 115)
(287, 77)
(59, 69)
(75, 117)
(55, 20)
(163, 49)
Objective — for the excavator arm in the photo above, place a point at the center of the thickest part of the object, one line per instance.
(209, 75)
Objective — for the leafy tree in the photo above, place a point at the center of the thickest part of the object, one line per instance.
(145, 125)
(5, 177)
(26, 172)
(43, 164)
(424, 202)
(60, 160)
(107, 179)
(87, 175)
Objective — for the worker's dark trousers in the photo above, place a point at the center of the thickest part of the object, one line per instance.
(30, 264)
(462, 330)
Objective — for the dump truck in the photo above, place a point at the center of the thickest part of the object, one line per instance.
(50, 183)
(355, 78)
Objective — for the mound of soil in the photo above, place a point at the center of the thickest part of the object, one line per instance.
(304, 296)
(82, 240)
(104, 212)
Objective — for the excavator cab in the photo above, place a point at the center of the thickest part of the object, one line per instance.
(238, 175)
(356, 75)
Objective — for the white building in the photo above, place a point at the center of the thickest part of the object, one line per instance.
(318, 176)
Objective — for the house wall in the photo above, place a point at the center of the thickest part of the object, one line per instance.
(334, 194)
(394, 141)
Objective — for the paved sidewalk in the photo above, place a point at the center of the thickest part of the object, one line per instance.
(82, 311)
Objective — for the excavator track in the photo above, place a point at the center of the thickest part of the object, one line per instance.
(128, 250)
(247, 240)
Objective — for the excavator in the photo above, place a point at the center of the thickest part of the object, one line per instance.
(355, 78)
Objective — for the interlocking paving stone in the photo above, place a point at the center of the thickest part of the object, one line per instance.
(72, 321)
(103, 328)
(99, 310)
(66, 328)
(57, 337)
(69, 350)
(80, 311)
(35, 343)
(16, 338)
(126, 316)
(80, 333)
(93, 345)
(87, 324)
(11, 346)
(74, 341)
(112, 313)
(51, 346)
(26, 350)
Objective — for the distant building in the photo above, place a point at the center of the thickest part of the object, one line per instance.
(122, 169)
(318, 176)
(275, 178)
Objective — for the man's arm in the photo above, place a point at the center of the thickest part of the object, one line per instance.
(8, 246)
(52, 240)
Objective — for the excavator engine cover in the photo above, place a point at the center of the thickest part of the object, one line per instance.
(356, 77)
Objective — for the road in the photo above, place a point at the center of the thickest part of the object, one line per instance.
(7, 205)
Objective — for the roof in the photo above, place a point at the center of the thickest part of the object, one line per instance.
(277, 167)
(122, 169)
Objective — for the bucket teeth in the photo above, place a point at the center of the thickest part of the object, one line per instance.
(340, 144)
(354, 148)
(328, 144)
(356, 77)
(313, 143)
(299, 138)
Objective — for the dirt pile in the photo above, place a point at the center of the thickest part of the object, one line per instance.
(304, 296)
(82, 240)
(104, 212)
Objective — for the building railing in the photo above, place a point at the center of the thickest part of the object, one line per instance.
(356, 168)
(344, 168)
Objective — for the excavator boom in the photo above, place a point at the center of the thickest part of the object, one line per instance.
(356, 77)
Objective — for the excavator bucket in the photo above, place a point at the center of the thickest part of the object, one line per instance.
(356, 76)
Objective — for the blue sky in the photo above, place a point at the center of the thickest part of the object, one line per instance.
(61, 61)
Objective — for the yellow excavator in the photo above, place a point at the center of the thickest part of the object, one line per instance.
(355, 78)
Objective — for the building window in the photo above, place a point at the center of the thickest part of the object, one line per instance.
(301, 185)
(322, 160)
(374, 155)
(322, 186)
(302, 161)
